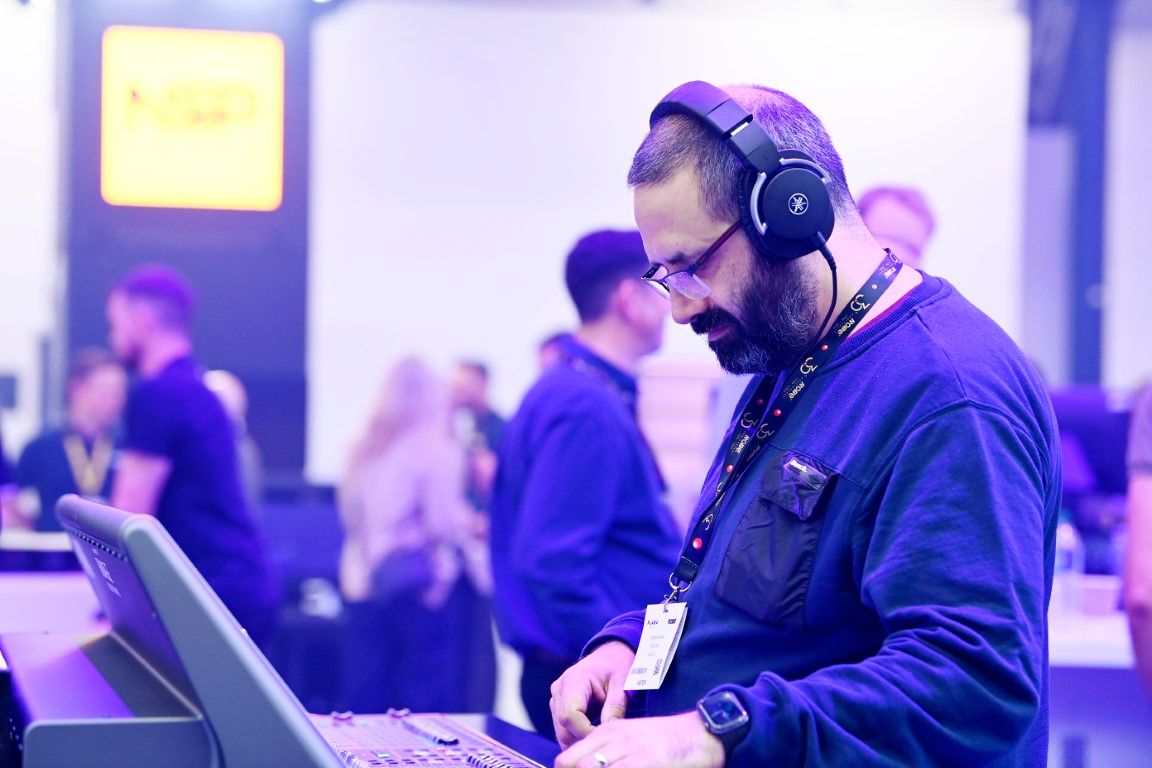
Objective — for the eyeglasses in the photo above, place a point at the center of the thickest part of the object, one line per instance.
(684, 281)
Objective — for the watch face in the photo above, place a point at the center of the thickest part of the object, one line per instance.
(723, 712)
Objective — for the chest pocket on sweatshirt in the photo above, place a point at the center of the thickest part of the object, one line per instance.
(767, 569)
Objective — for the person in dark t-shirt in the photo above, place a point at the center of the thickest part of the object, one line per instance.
(5, 470)
(77, 457)
(7, 487)
(179, 458)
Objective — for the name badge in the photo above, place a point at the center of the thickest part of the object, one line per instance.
(663, 626)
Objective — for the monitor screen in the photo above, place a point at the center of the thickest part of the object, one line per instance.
(160, 606)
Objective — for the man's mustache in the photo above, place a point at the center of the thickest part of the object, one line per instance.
(713, 318)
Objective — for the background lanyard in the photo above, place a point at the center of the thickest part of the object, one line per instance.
(760, 421)
(88, 471)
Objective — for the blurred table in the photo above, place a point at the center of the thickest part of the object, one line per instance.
(1099, 716)
(48, 602)
(22, 550)
(1089, 640)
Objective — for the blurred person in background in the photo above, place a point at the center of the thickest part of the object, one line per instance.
(1138, 559)
(7, 488)
(580, 529)
(234, 397)
(470, 381)
(551, 349)
(900, 220)
(78, 457)
(178, 460)
(410, 540)
(478, 426)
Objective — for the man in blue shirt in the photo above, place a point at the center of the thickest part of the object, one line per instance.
(179, 453)
(579, 528)
(868, 573)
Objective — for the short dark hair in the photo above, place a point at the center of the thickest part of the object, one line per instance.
(597, 264)
(166, 289)
(476, 366)
(85, 361)
(677, 140)
(552, 339)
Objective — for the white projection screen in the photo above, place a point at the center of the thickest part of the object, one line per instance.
(459, 149)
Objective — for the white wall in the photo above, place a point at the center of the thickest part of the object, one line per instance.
(1128, 248)
(459, 149)
(29, 261)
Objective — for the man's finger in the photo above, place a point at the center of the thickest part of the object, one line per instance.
(570, 700)
(615, 706)
(575, 724)
(563, 738)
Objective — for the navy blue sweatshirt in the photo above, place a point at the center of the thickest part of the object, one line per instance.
(579, 528)
(896, 615)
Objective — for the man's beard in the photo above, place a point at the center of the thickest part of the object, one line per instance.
(778, 310)
(129, 357)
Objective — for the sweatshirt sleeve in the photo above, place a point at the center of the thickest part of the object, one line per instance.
(568, 508)
(627, 628)
(958, 570)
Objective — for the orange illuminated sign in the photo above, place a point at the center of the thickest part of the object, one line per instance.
(192, 119)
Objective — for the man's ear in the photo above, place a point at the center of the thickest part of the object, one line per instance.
(623, 298)
(145, 315)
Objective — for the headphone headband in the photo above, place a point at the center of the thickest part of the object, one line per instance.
(744, 135)
(784, 200)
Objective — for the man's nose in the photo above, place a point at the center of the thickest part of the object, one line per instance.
(684, 308)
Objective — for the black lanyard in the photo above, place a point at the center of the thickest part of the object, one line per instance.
(760, 421)
(575, 356)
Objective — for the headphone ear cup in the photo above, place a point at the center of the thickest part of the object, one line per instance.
(794, 205)
(748, 197)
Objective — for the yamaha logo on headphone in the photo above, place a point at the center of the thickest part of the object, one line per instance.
(785, 205)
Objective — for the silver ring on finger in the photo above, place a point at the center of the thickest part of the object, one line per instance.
(600, 759)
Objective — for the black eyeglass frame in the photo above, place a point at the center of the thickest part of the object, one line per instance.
(687, 277)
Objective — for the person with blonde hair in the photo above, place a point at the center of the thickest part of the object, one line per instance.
(408, 542)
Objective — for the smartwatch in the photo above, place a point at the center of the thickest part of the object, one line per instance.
(725, 718)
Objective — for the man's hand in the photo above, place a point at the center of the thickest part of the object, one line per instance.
(140, 479)
(11, 514)
(597, 680)
(680, 741)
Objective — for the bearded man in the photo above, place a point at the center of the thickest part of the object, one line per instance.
(866, 579)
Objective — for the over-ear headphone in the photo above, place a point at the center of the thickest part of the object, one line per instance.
(784, 202)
